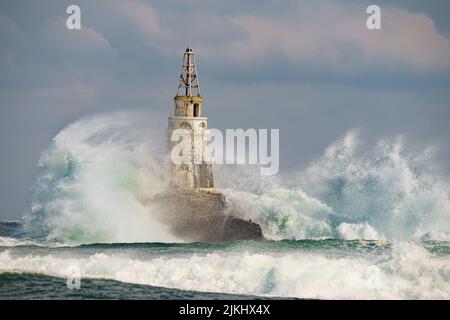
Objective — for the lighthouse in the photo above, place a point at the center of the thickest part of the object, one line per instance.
(191, 207)
(195, 174)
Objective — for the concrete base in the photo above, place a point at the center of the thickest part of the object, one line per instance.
(200, 216)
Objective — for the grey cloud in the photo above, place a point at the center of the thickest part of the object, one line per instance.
(322, 33)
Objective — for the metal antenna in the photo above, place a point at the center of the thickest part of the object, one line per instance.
(189, 75)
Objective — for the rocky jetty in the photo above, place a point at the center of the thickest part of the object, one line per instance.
(204, 216)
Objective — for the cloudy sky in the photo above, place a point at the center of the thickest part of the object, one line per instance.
(310, 68)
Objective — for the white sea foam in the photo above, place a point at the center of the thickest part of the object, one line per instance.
(93, 178)
(395, 190)
(282, 213)
(409, 272)
(97, 171)
(12, 242)
(351, 231)
(352, 191)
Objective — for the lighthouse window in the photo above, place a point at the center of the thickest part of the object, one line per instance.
(185, 125)
(196, 110)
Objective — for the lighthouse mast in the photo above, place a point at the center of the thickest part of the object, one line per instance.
(188, 76)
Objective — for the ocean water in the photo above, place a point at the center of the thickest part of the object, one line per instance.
(360, 222)
(322, 269)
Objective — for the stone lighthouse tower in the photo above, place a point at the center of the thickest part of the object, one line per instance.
(195, 174)
(191, 207)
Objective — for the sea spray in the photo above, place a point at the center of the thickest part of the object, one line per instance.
(352, 191)
(92, 177)
(391, 188)
(99, 173)
(283, 214)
